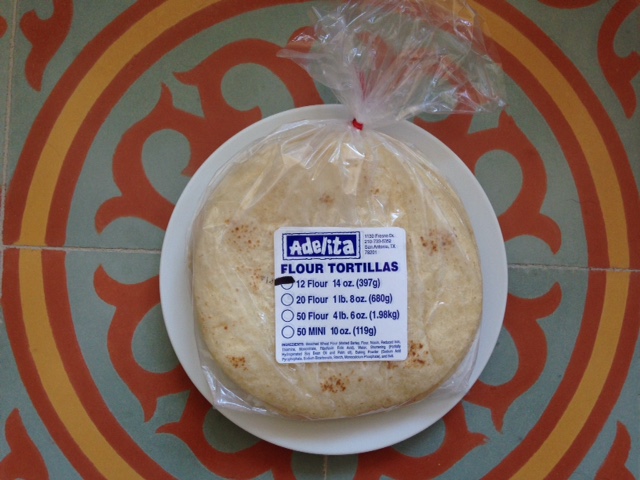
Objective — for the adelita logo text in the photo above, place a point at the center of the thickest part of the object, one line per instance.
(321, 245)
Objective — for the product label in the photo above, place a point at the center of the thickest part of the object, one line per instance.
(340, 294)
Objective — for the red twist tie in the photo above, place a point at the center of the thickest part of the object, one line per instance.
(357, 124)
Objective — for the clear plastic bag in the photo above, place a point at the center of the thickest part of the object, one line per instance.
(385, 61)
(390, 60)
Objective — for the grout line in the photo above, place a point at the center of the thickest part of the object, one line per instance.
(7, 115)
(157, 251)
(523, 266)
(325, 467)
(86, 249)
(7, 130)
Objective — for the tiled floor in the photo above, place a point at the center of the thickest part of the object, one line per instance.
(110, 107)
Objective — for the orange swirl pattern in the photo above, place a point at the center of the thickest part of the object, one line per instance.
(38, 310)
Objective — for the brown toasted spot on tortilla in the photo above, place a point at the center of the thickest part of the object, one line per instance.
(333, 384)
(238, 362)
(416, 357)
(326, 199)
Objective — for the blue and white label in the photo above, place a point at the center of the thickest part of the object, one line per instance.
(317, 244)
(340, 294)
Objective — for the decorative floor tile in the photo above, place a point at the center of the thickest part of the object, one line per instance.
(108, 109)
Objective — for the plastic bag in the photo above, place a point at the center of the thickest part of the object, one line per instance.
(324, 183)
(390, 60)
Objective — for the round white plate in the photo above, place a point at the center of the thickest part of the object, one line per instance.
(352, 435)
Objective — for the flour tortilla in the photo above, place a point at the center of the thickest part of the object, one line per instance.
(342, 178)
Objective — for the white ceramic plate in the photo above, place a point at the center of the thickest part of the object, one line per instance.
(344, 436)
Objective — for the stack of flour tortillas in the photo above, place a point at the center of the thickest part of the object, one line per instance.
(233, 270)
(336, 174)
